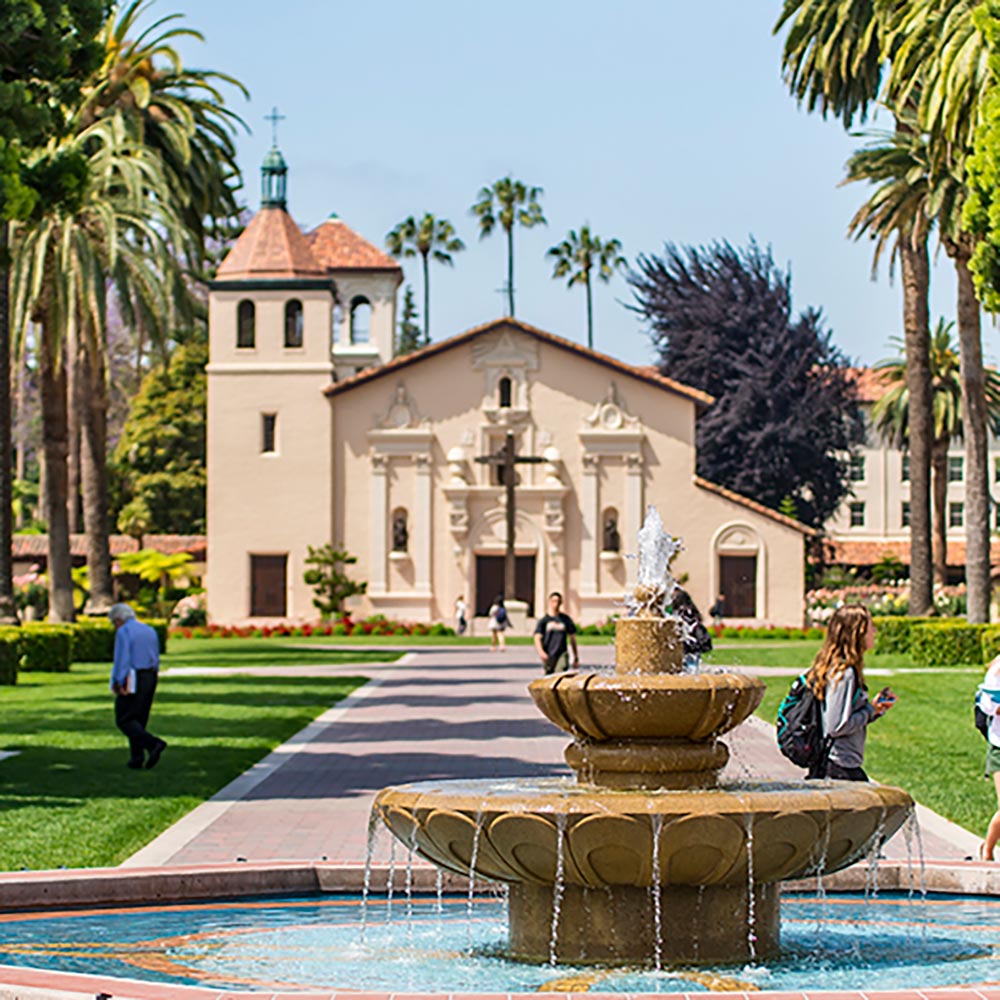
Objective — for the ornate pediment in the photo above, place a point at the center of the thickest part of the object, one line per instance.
(401, 412)
(505, 350)
(611, 413)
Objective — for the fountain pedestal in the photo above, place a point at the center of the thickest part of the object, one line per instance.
(619, 925)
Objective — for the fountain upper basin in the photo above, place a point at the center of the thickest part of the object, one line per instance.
(647, 706)
(511, 831)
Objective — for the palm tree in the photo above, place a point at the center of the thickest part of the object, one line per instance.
(581, 254)
(507, 202)
(430, 237)
(834, 58)
(178, 116)
(64, 260)
(891, 416)
(941, 59)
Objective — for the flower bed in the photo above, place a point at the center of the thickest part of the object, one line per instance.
(375, 625)
(880, 599)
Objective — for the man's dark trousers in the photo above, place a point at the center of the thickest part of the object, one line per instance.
(132, 713)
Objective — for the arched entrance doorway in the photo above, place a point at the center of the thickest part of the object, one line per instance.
(739, 570)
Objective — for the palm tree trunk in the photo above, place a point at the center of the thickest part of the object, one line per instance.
(510, 272)
(427, 301)
(915, 268)
(977, 490)
(73, 414)
(94, 474)
(939, 463)
(52, 384)
(590, 313)
(8, 609)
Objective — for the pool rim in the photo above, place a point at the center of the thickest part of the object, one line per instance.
(62, 889)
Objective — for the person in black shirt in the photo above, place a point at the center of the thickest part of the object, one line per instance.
(553, 633)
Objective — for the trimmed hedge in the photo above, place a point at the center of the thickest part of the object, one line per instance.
(93, 641)
(991, 642)
(10, 656)
(46, 647)
(894, 633)
(162, 627)
(942, 644)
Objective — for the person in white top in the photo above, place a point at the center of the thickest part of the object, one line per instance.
(988, 700)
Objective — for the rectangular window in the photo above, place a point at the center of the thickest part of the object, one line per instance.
(858, 514)
(268, 428)
(857, 473)
(905, 476)
(904, 514)
(956, 468)
(956, 514)
(996, 470)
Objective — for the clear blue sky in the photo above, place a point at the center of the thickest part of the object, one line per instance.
(651, 120)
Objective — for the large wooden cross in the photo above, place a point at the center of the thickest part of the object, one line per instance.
(507, 460)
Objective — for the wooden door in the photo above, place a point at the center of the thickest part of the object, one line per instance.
(738, 581)
(268, 586)
(489, 582)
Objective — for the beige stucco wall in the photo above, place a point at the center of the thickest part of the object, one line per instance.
(380, 290)
(408, 440)
(266, 504)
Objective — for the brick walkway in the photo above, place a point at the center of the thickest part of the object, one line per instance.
(455, 713)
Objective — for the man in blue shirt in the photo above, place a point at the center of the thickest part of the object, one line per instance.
(133, 681)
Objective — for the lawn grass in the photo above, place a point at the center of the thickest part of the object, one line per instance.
(927, 744)
(68, 799)
(278, 651)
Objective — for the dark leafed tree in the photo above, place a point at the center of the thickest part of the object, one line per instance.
(785, 417)
(408, 337)
(47, 48)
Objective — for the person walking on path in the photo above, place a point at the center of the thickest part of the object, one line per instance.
(718, 610)
(988, 700)
(133, 681)
(498, 624)
(697, 638)
(461, 614)
(554, 633)
(837, 679)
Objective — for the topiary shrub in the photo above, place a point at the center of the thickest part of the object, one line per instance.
(991, 642)
(46, 647)
(93, 641)
(945, 643)
(893, 633)
(162, 628)
(10, 655)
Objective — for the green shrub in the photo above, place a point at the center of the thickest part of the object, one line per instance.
(93, 641)
(46, 647)
(10, 655)
(944, 643)
(894, 632)
(991, 642)
(339, 629)
(161, 626)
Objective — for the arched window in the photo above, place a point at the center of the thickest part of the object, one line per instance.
(400, 530)
(361, 318)
(293, 323)
(503, 389)
(246, 324)
(609, 523)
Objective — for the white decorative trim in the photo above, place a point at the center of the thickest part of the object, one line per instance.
(401, 412)
(610, 414)
(254, 368)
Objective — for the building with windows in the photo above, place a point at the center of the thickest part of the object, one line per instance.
(874, 519)
(317, 434)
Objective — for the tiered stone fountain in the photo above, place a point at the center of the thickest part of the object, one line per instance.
(646, 856)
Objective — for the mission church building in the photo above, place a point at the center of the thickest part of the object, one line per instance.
(317, 434)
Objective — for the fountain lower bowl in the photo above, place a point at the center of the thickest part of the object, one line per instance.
(530, 831)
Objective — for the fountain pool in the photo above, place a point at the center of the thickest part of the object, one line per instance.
(446, 944)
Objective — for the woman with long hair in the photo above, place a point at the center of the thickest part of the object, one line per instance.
(837, 679)
(988, 700)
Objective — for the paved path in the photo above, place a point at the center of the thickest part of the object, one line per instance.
(434, 714)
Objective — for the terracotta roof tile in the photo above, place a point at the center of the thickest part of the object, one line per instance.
(339, 248)
(37, 546)
(868, 383)
(271, 246)
(643, 372)
(868, 553)
(743, 501)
